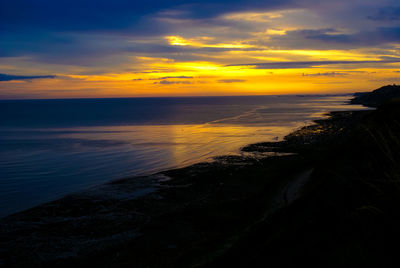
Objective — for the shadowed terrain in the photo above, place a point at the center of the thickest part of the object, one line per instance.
(378, 96)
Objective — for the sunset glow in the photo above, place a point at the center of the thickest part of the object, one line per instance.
(268, 49)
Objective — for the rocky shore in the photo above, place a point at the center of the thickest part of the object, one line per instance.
(328, 195)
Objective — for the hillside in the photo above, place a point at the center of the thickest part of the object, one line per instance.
(349, 213)
(378, 96)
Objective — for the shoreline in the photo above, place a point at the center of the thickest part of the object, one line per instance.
(147, 184)
(115, 216)
(97, 157)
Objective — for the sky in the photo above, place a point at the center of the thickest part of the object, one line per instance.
(125, 48)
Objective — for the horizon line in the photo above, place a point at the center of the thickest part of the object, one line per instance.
(172, 97)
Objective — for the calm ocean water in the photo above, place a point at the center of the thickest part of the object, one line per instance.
(49, 148)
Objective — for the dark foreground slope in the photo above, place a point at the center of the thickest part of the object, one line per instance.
(349, 215)
(327, 196)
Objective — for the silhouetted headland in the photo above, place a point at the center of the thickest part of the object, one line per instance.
(328, 195)
(378, 96)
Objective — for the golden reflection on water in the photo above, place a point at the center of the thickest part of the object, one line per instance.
(182, 144)
(166, 146)
(161, 146)
(207, 140)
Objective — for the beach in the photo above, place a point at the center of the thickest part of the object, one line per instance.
(52, 148)
(191, 212)
(327, 193)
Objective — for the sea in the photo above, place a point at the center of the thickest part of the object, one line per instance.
(51, 148)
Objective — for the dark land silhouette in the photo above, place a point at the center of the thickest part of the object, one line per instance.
(378, 96)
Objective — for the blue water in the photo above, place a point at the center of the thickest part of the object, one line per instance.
(50, 148)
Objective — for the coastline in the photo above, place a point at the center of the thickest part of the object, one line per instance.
(42, 165)
(80, 226)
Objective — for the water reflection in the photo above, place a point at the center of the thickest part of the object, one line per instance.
(38, 164)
